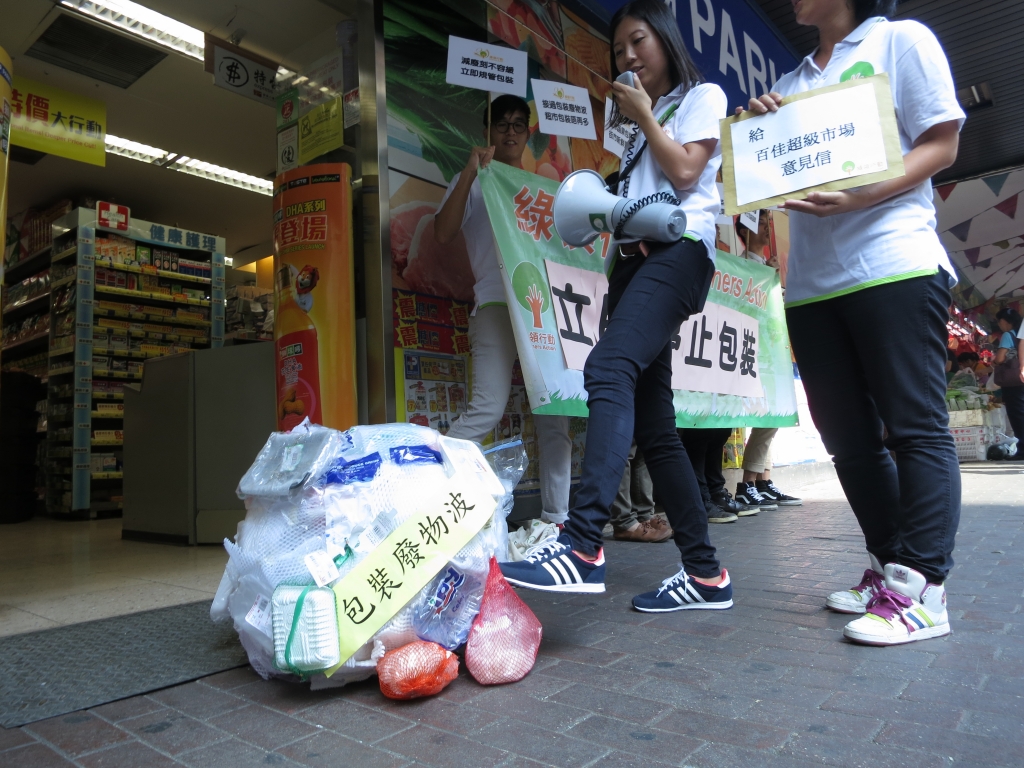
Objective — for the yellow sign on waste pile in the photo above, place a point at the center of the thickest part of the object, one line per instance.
(50, 120)
(412, 555)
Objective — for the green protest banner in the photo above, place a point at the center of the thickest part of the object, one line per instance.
(731, 364)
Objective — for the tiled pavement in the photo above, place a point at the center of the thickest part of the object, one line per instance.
(769, 683)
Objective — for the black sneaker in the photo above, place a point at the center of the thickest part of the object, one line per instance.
(748, 495)
(770, 491)
(681, 593)
(553, 567)
(716, 512)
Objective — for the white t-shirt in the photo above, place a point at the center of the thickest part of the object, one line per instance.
(896, 238)
(483, 253)
(696, 119)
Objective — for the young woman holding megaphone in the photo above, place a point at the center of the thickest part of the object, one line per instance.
(653, 287)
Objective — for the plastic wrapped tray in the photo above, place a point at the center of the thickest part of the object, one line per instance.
(308, 643)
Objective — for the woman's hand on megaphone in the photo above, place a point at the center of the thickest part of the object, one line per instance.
(634, 103)
(479, 157)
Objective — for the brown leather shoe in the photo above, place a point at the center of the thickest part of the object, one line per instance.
(644, 532)
(659, 523)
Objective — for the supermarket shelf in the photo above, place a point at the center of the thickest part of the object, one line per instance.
(64, 254)
(134, 269)
(105, 373)
(107, 415)
(104, 441)
(14, 273)
(108, 395)
(164, 297)
(61, 371)
(26, 304)
(133, 354)
(120, 313)
(28, 343)
(163, 336)
(62, 282)
(107, 475)
(62, 351)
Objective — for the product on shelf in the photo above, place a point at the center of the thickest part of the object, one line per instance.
(27, 328)
(28, 289)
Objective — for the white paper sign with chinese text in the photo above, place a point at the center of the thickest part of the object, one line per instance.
(577, 297)
(563, 110)
(616, 139)
(486, 66)
(834, 135)
(717, 352)
(244, 76)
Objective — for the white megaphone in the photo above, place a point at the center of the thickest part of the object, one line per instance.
(584, 209)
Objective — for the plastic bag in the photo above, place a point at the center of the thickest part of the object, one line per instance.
(417, 669)
(451, 603)
(289, 460)
(505, 637)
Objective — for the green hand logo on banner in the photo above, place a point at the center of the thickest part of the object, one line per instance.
(532, 291)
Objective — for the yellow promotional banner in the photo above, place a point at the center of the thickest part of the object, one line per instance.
(314, 295)
(50, 120)
(381, 585)
(5, 142)
(320, 130)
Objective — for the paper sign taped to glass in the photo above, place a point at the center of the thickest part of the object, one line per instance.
(823, 140)
(731, 364)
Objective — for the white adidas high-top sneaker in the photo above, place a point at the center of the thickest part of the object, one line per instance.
(856, 600)
(905, 609)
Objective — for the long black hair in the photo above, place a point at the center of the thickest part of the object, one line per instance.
(656, 15)
(865, 9)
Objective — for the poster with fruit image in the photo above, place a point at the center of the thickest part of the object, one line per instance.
(314, 297)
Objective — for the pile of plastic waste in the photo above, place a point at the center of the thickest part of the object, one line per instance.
(320, 502)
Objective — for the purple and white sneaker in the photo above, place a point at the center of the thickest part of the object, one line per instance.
(906, 608)
(856, 600)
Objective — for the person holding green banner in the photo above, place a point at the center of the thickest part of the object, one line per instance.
(653, 287)
(492, 342)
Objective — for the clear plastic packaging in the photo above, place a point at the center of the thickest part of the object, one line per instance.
(289, 460)
(452, 602)
(305, 629)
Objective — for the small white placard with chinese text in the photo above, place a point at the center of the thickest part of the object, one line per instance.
(616, 139)
(808, 142)
(563, 110)
(486, 66)
(717, 352)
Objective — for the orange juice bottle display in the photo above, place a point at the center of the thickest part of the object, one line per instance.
(298, 368)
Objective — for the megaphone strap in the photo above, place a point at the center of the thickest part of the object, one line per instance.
(613, 179)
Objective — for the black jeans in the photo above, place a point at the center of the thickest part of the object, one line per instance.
(705, 447)
(628, 377)
(1013, 400)
(874, 357)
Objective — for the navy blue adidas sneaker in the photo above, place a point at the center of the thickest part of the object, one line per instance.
(681, 593)
(554, 567)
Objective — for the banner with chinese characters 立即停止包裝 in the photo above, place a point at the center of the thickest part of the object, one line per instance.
(731, 364)
(56, 122)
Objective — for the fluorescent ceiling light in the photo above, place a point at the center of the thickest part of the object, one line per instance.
(147, 154)
(143, 22)
(152, 26)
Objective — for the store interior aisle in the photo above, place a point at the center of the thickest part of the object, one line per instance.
(54, 573)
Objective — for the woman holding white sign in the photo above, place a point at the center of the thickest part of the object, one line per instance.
(653, 288)
(866, 297)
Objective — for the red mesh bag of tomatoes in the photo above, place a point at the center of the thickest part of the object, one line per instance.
(417, 669)
(505, 636)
